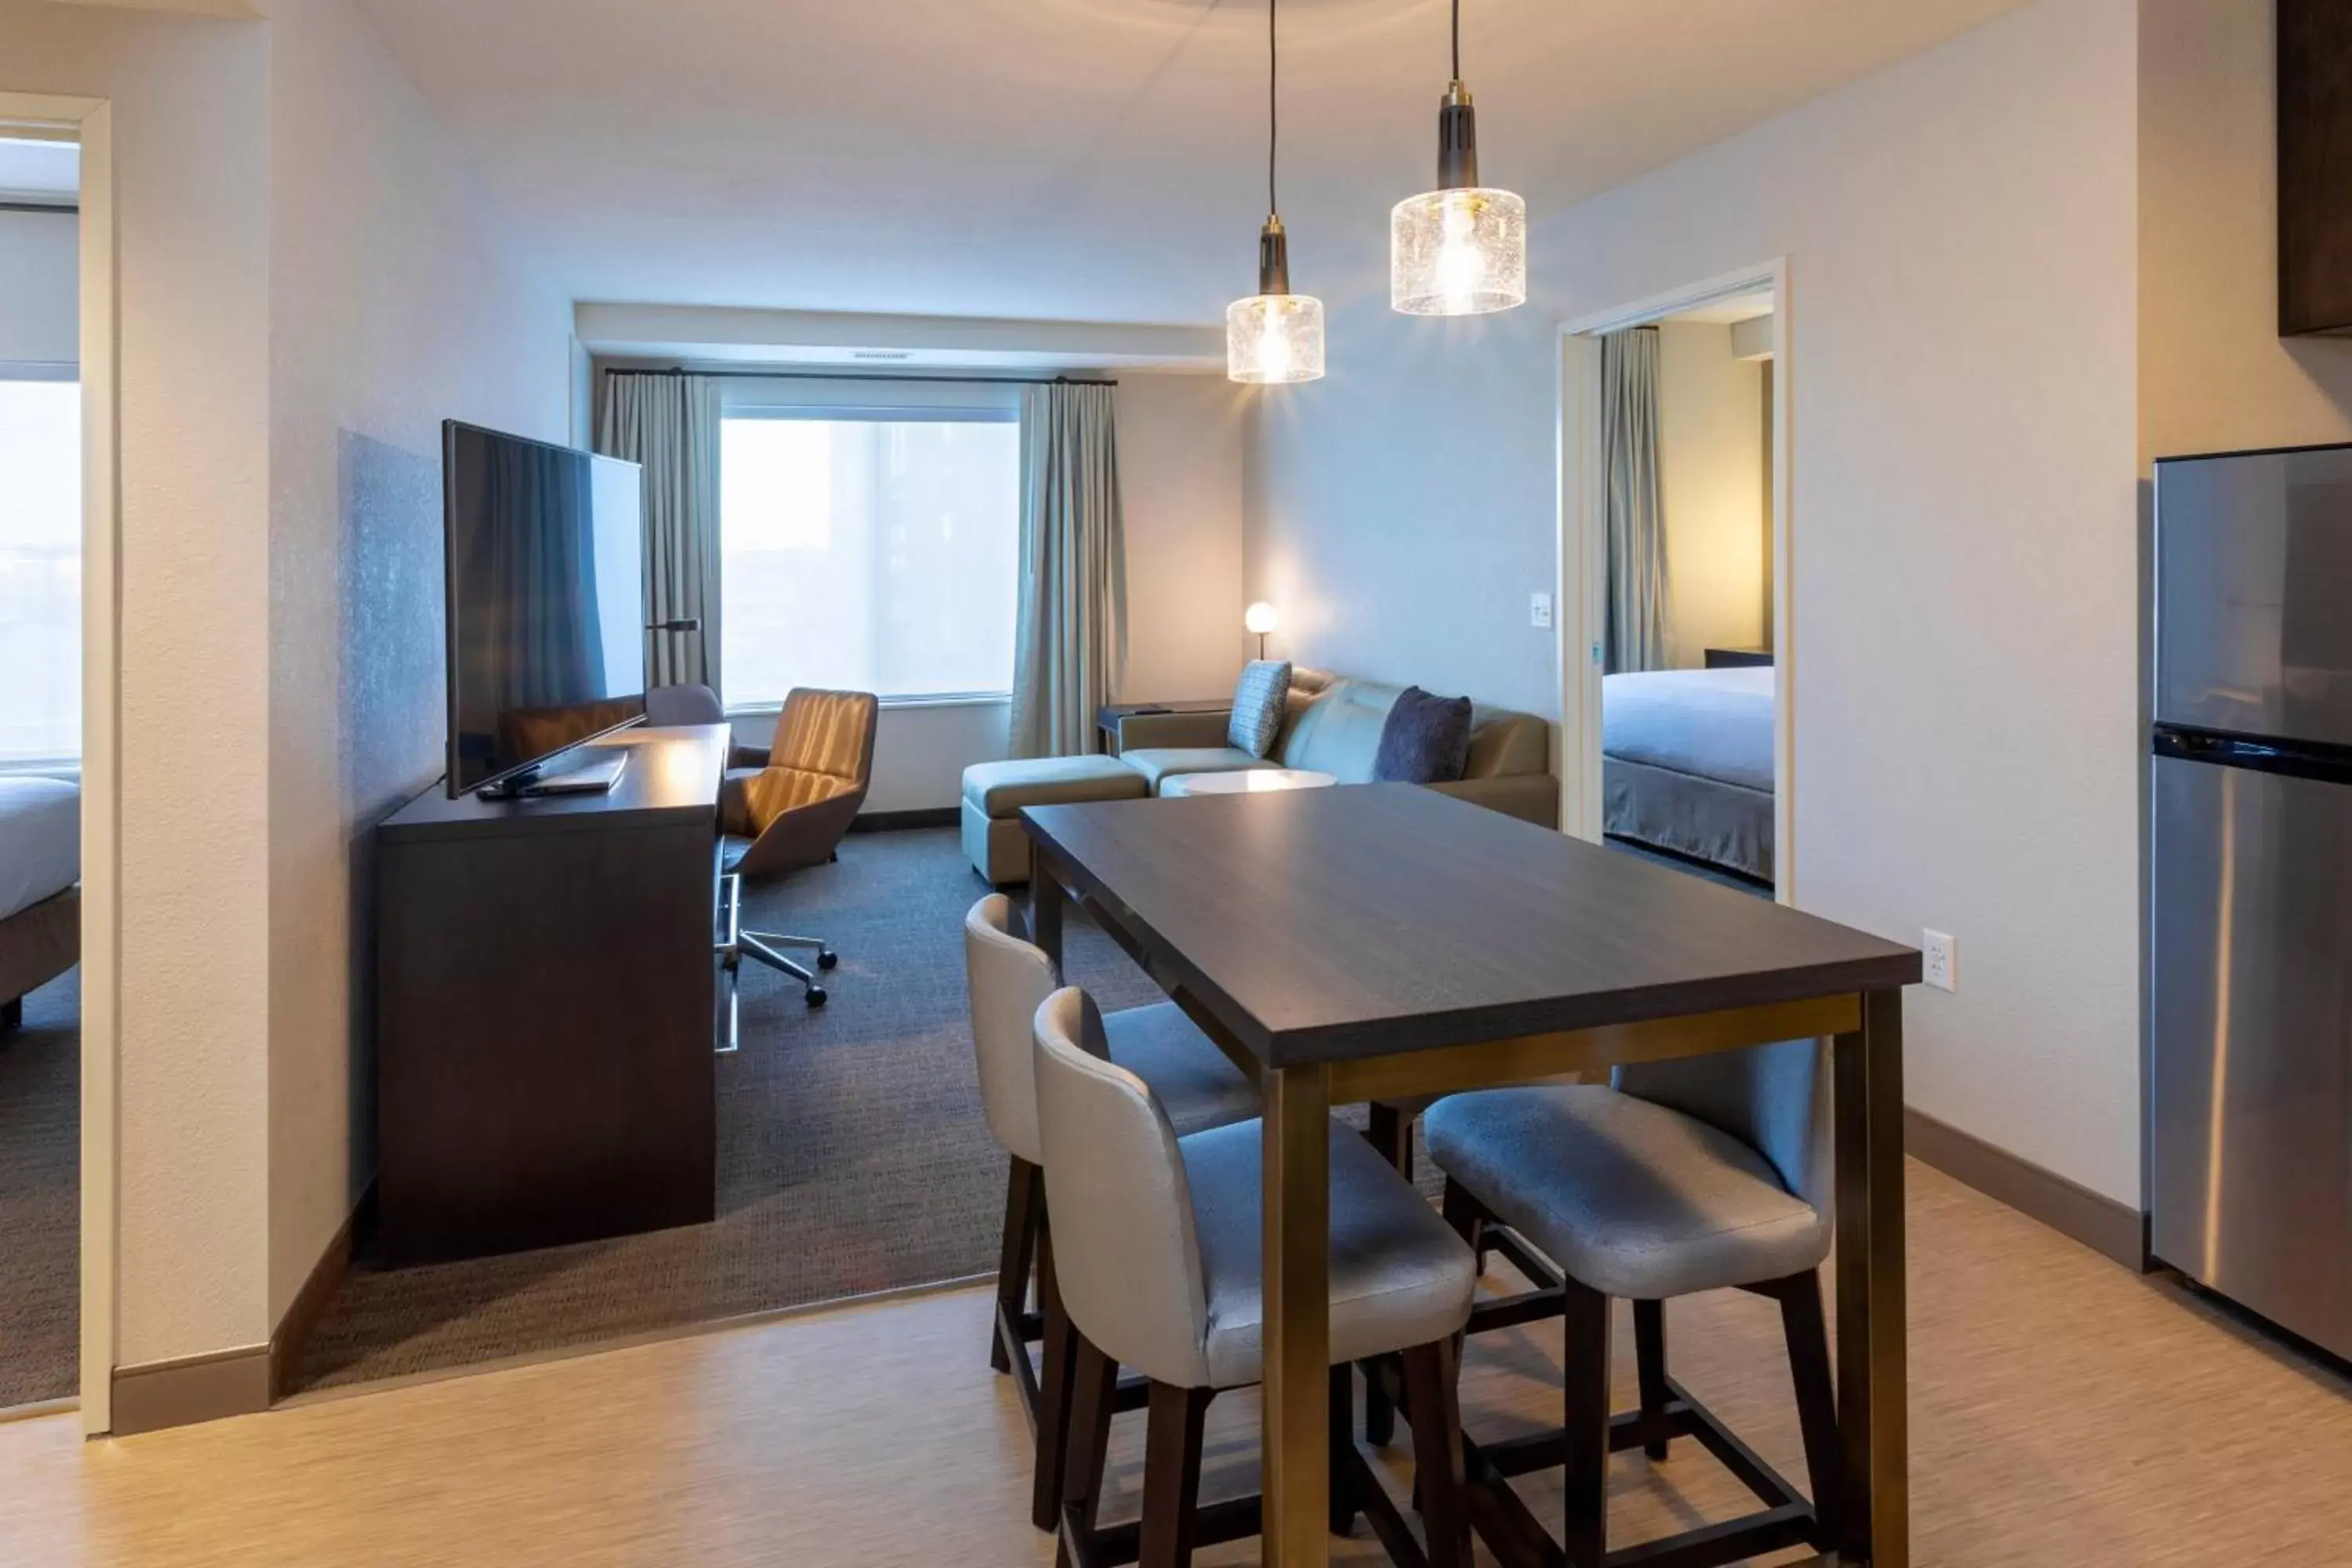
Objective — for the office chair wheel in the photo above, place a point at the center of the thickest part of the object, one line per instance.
(817, 996)
(827, 958)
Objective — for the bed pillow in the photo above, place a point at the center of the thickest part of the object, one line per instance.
(1426, 740)
(1258, 702)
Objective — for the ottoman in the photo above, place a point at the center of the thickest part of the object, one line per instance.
(995, 792)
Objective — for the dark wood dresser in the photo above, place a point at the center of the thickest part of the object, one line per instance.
(544, 999)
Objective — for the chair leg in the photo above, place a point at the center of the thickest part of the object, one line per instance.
(1650, 1357)
(1469, 1218)
(1093, 1383)
(1342, 1425)
(1809, 1369)
(1024, 1211)
(1391, 1133)
(1380, 1411)
(1586, 1506)
(1171, 1474)
(1055, 1378)
(1432, 1398)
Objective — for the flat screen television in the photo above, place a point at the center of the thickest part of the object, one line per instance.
(545, 556)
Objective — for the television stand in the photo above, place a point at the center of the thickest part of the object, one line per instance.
(546, 1005)
(596, 777)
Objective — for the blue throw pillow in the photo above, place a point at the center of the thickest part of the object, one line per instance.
(1425, 741)
(1258, 702)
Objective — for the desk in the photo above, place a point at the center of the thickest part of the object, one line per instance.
(545, 995)
(1384, 940)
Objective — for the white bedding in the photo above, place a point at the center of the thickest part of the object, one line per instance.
(1712, 723)
(40, 840)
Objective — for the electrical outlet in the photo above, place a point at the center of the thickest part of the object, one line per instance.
(1942, 952)
(1539, 611)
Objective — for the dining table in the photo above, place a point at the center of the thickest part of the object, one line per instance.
(1386, 941)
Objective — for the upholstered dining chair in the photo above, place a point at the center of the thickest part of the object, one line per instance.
(1009, 977)
(1156, 1263)
(680, 706)
(789, 808)
(1707, 1174)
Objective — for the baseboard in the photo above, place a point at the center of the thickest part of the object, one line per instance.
(192, 1389)
(892, 821)
(2098, 1222)
(302, 1313)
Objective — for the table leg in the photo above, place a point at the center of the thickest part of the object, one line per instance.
(1047, 900)
(1297, 1130)
(1872, 1416)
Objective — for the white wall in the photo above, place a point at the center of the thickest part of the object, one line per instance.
(1961, 235)
(1711, 463)
(395, 303)
(41, 291)
(1179, 467)
(191, 134)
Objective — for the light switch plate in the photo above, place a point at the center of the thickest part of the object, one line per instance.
(1941, 951)
(1539, 611)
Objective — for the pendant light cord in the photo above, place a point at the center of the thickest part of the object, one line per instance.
(1457, 40)
(1273, 127)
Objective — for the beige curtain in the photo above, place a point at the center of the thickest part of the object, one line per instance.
(669, 423)
(1070, 649)
(1638, 628)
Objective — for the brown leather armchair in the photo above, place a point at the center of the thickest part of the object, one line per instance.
(787, 807)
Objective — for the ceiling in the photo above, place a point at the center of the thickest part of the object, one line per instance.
(1093, 160)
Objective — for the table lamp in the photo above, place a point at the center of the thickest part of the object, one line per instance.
(1260, 618)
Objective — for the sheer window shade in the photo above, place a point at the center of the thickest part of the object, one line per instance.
(40, 570)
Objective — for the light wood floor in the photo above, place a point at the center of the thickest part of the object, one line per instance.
(2063, 1413)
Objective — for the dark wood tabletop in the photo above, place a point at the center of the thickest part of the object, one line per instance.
(672, 776)
(1322, 925)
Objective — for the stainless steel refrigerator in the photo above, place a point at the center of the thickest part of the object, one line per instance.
(2250, 1076)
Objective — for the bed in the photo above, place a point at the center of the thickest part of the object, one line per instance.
(40, 897)
(1687, 765)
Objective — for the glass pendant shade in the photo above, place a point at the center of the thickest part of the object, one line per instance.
(1274, 338)
(1458, 253)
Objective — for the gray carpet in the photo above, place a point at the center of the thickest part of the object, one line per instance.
(852, 1153)
(40, 1198)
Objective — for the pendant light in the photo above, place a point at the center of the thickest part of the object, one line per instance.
(1274, 335)
(1460, 249)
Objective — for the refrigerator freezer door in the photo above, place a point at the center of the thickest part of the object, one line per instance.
(2250, 1069)
(2253, 626)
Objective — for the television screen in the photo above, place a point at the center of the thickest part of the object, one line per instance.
(546, 600)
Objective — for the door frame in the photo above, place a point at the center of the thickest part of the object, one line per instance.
(1583, 541)
(92, 122)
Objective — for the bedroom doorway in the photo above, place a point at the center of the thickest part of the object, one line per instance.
(41, 485)
(1673, 541)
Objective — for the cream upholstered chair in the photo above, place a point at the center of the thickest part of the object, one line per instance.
(1009, 977)
(790, 810)
(1707, 1174)
(1157, 1265)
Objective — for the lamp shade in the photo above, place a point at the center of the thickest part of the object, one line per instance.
(1260, 618)
(1458, 252)
(1274, 338)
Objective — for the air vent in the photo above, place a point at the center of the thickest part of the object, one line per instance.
(881, 353)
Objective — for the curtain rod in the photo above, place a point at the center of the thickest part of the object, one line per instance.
(67, 208)
(865, 375)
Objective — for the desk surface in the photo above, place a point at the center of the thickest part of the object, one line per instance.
(1321, 925)
(672, 776)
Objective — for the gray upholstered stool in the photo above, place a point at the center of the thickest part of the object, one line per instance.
(1158, 1261)
(1008, 977)
(1701, 1175)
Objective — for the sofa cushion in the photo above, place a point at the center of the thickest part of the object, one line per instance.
(1157, 765)
(1258, 706)
(1002, 789)
(1425, 739)
(1339, 732)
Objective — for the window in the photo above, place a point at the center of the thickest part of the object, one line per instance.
(868, 550)
(40, 569)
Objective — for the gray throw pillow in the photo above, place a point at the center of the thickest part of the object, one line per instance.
(1426, 740)
(1258, 702)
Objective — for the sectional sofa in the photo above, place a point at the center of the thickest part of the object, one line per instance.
(1332, 724)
